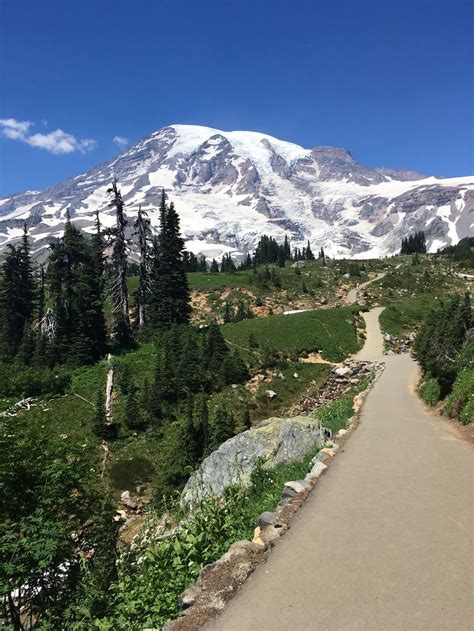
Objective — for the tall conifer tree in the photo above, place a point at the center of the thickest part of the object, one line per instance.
(169, 295)
(119, 291)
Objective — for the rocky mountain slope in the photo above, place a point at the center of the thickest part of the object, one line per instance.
(231, 187)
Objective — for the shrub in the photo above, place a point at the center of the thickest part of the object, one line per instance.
(24, 381)
(460, 403)
(430, 391)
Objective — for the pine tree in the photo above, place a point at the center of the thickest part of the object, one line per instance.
(26, 290)
(169, 294)
(12, 321)
(119, 292)
(214, 267)
(227, 313)
(132, 412)
(233, 368)
(41, 298)
(202, 265)
(287, 248)
(75, 290)
(309, 253)
(222, 427)
(143, 230)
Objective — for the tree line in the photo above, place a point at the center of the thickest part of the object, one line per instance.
(56, 315)
(414, 243)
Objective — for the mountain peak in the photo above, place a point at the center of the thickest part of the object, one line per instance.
(230, 187)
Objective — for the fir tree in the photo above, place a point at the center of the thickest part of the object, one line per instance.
(169, 295)
(143, 231)
(309, 256)
(75, 290)
(221, 428)
(12, 321)
(119, 264)
(132, 412)
(214, 267)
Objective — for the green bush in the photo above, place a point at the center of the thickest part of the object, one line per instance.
(24, 381)
(429, 391)
(460, 403)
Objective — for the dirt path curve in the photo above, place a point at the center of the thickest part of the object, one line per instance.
(385, 541)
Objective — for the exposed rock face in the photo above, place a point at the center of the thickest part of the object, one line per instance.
(231, 187)
(276, 440)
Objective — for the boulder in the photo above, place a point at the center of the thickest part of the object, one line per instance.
(267, 519)
(127, 500)
(271, 394)
(343, 371)
(275, 441)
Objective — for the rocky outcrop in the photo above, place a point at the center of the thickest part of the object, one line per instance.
(276, 440)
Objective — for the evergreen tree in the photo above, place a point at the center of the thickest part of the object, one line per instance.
(227, 313)
(12, 320)
(309, 253)
(322, 256)
(287, 248)
(132, 412)
(119, 264)
(202, 265)
(222, 427)
(41, 297)
(214, 267)
(233, 368)
(75, 290)
(170, 299)
(143, 231)
(26, 289)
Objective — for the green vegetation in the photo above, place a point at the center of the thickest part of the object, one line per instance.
(288, 388)
(335, 415)
(329, 331)
(444, 347)
(153, 574)
(402, 317)
(429, 391)
(460, 402)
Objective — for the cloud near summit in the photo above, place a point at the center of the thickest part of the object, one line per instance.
(57, 142)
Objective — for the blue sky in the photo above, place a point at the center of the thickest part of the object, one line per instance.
(391, 80)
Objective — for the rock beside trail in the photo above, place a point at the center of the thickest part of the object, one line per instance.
(127, 500)
(276, 440)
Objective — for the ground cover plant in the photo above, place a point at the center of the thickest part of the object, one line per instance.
(153, 574)
(329, 331)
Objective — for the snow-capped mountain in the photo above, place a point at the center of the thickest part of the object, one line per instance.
(231, 187)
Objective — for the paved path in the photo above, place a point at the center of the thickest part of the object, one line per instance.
(384, 542)
(353, 293)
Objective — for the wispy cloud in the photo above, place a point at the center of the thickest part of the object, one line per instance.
(16, 130)
(57, 142)
(120, 141)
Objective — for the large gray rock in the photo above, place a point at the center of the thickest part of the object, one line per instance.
(276, 440)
